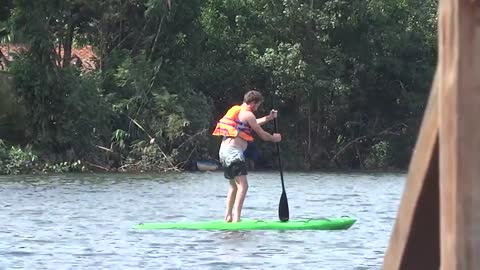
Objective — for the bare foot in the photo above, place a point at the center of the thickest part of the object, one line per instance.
(236, 220)
(228, 218)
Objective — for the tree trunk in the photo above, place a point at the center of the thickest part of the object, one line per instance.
(67, 43)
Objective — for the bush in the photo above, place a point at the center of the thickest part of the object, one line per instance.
(15, 160)
(62, 167)
(378, 156)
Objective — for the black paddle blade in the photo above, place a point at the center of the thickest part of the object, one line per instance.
(283, 212)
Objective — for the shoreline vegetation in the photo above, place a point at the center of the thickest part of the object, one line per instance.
(137, 86)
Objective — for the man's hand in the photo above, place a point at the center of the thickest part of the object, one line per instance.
(272, 115)
(277, 137)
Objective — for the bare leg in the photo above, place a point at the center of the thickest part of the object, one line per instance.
(232, 193)
(242, 187)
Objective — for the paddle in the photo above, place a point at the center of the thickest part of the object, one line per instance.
(283, 212)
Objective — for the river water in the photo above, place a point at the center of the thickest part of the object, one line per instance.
(83, 221)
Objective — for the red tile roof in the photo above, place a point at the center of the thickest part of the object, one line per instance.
(85, 54)
(9, 49)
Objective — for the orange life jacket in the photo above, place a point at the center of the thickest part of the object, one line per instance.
(230, 126)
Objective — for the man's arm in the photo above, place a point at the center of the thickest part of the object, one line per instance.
(253, 122)
(265, 119)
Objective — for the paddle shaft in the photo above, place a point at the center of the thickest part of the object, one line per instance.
(278, 154)
(283, 211)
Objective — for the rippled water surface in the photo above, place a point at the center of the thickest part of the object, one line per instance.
(84, 221)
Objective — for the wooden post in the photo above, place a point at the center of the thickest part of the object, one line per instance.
(459, 51)
(438, 223)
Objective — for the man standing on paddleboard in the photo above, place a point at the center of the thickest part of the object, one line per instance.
(236, 128)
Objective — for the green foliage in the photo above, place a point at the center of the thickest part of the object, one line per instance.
(378, 156)
(146, 156)
(147, 111)
(12, 113)
(348, 69)
(14, 160)
(119, 137)
(7, 102)
(65, 112)
(64, 167)
(350, 78)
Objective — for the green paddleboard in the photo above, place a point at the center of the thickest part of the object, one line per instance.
(336, 223)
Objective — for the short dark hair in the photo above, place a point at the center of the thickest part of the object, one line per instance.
(253, 96)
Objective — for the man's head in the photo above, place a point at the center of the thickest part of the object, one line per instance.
(253, 99)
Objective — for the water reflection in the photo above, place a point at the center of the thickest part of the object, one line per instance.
(233, 236)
